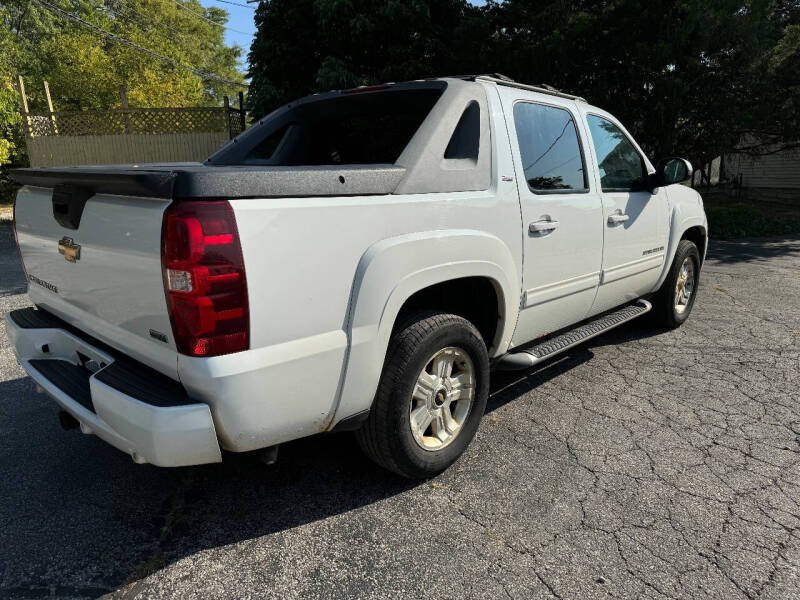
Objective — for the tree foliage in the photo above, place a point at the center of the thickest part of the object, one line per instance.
(86, 68)
(309, 45)
(689, 77)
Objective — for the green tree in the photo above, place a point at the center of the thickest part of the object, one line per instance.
(303, 46)
(688, 77)
(9, 108)
(85, 67)
(693, 78)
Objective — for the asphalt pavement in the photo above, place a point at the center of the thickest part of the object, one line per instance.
(643, 464)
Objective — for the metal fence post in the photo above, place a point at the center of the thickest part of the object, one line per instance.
(242, 115)
(226, 103)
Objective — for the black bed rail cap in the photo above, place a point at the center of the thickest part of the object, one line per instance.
(196, 181)
(152, 183)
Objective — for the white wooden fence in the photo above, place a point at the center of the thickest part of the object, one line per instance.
(60, 150)
(127, 135)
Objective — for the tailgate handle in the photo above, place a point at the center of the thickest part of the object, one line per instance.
(68, 204)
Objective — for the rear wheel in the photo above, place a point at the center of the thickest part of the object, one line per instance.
(673, 302)
(431, 396)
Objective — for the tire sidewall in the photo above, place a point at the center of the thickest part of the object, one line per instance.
(684, 250)
(418, 460)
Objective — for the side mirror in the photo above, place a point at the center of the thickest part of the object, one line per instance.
(673, 170)
(668, 171)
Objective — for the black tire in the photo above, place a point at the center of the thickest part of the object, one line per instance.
(664, 310)
(386, 437)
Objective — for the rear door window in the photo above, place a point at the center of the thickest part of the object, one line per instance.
(552, 158)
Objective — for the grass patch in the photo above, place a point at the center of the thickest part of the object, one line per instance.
(751, 215)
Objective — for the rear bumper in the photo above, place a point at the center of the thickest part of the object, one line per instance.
(132, 407)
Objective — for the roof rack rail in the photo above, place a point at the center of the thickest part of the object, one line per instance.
(541, 88)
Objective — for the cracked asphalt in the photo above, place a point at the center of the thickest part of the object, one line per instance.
(643, 464)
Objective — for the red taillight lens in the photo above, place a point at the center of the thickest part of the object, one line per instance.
(204, 279)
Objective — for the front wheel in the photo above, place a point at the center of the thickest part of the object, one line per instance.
(431, 396)
(674, 300)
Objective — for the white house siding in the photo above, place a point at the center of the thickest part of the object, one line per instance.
(780, 170)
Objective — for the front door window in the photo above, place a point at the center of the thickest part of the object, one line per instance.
(621, 166)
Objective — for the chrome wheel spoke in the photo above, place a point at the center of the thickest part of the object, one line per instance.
(420, 420)
(439, 427)
(443, 364)
(425, 386)
(450, 423)
(462, 381)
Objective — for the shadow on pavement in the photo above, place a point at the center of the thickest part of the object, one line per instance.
(751, 250)
(84, 516)
(13, 280)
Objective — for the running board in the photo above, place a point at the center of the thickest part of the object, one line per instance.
(525, 359)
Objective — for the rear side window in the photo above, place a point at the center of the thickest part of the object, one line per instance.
(549, 147)
(349, 128)
(622, 168)
(466, 140)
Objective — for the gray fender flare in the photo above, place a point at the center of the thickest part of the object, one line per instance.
(394, 269)
(680, 222)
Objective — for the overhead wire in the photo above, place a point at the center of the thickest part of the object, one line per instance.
(205, 18)
(123, 10)
(205, 75)
(235, 4)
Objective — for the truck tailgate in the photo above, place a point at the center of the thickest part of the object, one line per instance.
(105, 276)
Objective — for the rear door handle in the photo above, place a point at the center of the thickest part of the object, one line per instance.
(617, 219)
(542, 226)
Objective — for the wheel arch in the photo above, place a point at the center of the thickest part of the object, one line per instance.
(479, 299)
(395, 274)
(685, 223)
(698, 235)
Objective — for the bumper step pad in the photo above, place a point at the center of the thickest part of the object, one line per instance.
(127, 404)
(129, 377)
(70, 379)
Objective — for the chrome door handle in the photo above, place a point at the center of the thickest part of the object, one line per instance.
(617, 219)
(542, 226)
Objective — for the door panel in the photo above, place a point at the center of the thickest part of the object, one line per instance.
(561, 213)
(633, 218)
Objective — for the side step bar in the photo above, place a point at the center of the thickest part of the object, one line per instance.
(525, 359)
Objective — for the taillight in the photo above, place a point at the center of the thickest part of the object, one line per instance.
(204, 279)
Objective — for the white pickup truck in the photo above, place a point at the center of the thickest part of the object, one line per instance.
(356, 260)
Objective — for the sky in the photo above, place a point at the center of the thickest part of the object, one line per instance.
(240, 18)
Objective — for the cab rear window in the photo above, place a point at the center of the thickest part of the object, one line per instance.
(348, 128)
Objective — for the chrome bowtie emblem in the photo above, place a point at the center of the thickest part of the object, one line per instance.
(70, 250)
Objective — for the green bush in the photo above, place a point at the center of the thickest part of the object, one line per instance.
(751, 215)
